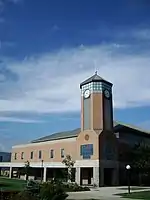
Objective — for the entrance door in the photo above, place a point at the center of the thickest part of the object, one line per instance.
(86, 175)
(108, 175)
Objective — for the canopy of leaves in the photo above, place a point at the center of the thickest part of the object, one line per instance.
(68, 161)
(140, 156)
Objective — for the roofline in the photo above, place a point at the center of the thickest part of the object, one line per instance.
(95, 81)
(76, 135)
(133, 127)
(59, 138)
(44, 142)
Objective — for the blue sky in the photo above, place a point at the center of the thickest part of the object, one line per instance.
(48, 47)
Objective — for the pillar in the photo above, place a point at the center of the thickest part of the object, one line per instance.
(10, 172)
(96, 172)
(101, 176)
(44, 174)
(78, 174)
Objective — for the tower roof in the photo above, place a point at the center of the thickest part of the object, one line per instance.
(94, 78)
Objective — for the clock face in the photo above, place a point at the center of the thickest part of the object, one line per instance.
(107, 94)
(86, 93)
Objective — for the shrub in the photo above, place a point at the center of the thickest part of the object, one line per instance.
(74, 187)
(25, 195)
(86, 188)
(33, 187)
(7, 195)
(52, 191)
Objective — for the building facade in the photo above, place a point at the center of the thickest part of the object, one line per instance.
(96, 147)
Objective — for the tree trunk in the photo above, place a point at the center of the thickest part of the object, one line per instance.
(69, 175)
(26, 177)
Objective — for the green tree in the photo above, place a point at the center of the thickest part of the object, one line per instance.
(27, 169)
(69, 163)
(140, 159)
(141, 156)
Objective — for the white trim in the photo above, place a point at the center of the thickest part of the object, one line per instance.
(44, 143)
(87, 163)
(5, 164)
(78, 163)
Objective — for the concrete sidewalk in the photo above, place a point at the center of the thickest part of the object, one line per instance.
(104, 193)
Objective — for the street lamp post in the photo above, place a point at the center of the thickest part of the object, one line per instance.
(42, 170)
(128, 168)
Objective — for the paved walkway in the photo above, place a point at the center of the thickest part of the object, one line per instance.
(103, 193)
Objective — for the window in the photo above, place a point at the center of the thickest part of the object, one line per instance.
(31, 155)
(40, 154)
(22, 155)
(86, 151)
(117, 135)
(62, 153)
(51, 153)
(15, 156)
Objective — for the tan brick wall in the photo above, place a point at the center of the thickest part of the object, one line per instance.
(96, 106)
(68, 146)
(97, 111)
(71, 147)
(82, 114)
(93, 139)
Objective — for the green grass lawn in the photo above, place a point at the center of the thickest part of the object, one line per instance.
(12, 184)
(138, 195)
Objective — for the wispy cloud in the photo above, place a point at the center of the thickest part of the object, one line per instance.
(15, 1)
(145, 124)
(143, 34)
(55, 28)
(2, 20)
(6, 45)
(19, 120)
(1, 6)
(2, 147)
(123, 34)
(50, 82)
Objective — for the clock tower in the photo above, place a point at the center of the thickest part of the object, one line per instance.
(96, 104)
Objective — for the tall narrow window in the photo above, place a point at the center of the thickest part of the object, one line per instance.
(31, 155)
(40, 154)
(62, 153)
(22, 155)
(52, 153)
(15, 156)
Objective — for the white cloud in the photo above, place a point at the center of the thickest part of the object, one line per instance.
(50, 83)
(19, 120)
(124, 34)
(2, 148)
(143, 34)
